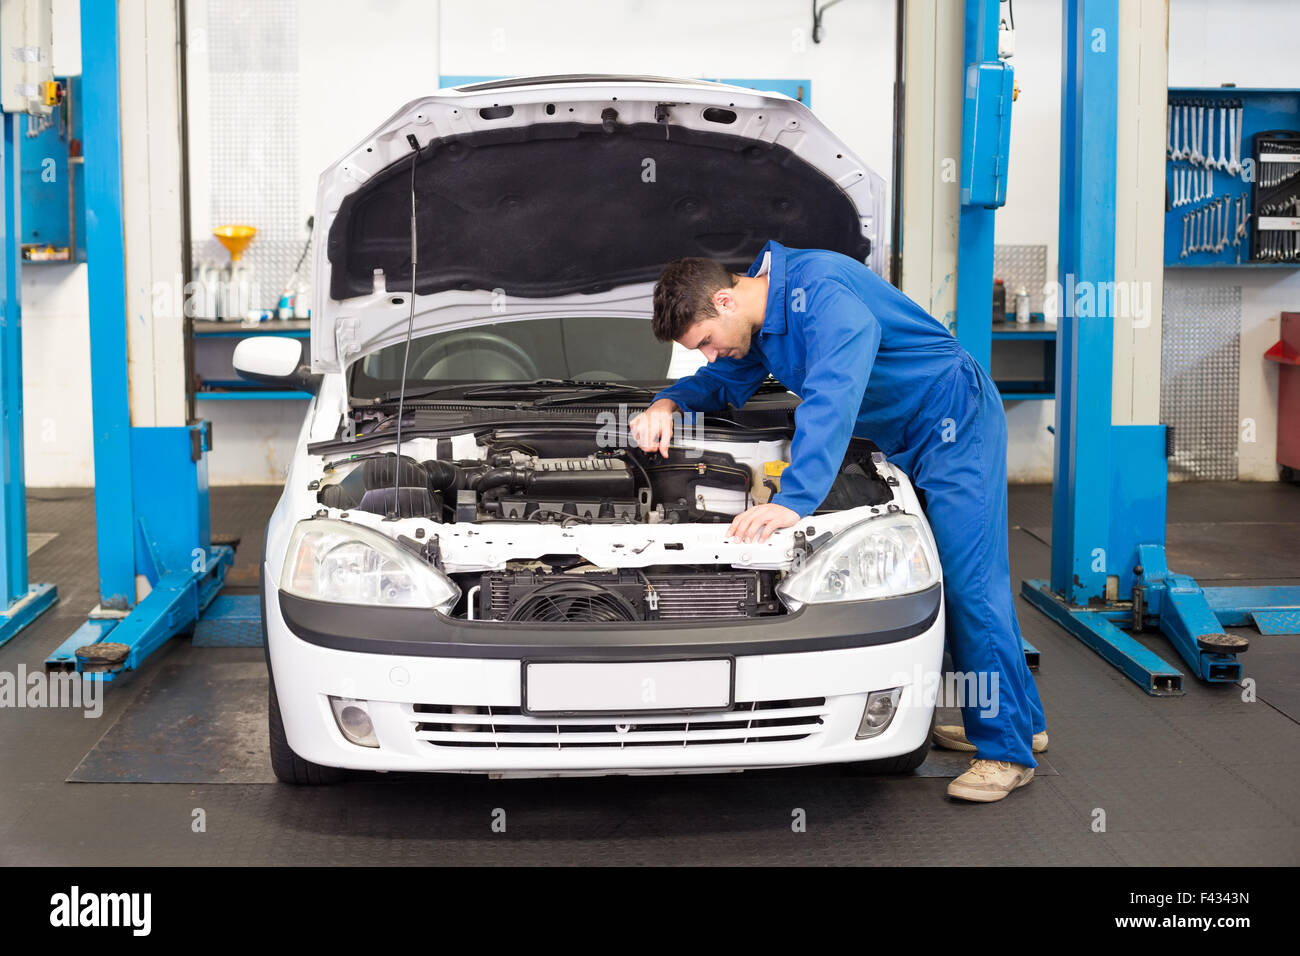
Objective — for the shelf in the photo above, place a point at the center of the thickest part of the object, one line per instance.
(1026, 396)
(250, 395)
(211, 329)
(239, 390)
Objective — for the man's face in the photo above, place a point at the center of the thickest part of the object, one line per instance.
(725, 335)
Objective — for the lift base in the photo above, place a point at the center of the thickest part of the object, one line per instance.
(38, 599)
(174, 606)
(1095, 628)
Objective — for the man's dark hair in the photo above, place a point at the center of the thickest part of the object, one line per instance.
(684, 295)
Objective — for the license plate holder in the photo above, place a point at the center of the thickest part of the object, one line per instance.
(614, 688)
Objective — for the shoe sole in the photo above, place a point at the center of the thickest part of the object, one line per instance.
(985, 796)
(965, 746)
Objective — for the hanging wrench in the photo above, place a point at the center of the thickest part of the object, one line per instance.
(1169, 131)
(1222, 159)
(1209, 139)
(1233, 166)
(1181, 140)
(1183, 254)
(1197, 130)
(1236, 153)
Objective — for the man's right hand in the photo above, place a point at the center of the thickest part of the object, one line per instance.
(652, 430)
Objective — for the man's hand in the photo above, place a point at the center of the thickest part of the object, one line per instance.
(652, 430)
(761, 520)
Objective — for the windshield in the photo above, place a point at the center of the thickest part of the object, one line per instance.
(585, 347)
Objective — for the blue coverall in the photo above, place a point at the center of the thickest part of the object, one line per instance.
(868, 361)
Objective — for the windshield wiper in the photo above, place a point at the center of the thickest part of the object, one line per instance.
(505, 388)
(566, 383)
(592, 392)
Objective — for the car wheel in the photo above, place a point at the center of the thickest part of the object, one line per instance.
(903, 763)
(287, 765)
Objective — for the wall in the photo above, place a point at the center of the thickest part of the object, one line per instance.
(356, 68)
(1200, 32)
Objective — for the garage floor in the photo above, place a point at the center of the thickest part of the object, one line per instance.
(1202, 779)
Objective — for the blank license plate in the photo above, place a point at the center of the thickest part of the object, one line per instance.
(627, 687)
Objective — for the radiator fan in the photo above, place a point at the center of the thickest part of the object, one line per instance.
(569, 602)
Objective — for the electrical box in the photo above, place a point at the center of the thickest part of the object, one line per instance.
(986, 146)
(27, 57)
(52, 184)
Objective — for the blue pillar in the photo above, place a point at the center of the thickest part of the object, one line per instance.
(1081, 493)
(985, 143)
(20, 603)
(106, 265)
(13, 515)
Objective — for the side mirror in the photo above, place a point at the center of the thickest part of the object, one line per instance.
(275, 360)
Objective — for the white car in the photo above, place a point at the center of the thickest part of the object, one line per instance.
(528, 593)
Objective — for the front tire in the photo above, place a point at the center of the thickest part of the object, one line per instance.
(287, 765)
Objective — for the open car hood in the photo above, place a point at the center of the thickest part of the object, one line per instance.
(566, 196)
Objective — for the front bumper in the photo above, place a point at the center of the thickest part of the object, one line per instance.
(445, 695)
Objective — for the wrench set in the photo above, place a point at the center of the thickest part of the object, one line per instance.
(1235, 207)
(1277, 196)
(1203, 138)
(1190, 131)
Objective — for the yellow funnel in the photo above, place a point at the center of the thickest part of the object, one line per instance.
(235, 239)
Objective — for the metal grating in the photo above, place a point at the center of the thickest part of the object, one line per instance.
(678, 596)
(1019, 265)
(254, 133)
(772, 721)
(1199, 366)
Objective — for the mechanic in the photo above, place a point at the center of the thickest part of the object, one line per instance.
(866, 360)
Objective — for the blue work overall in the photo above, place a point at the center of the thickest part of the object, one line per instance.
(866, 360)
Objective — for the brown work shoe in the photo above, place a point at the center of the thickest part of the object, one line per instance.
(953, 737)
(989, 780)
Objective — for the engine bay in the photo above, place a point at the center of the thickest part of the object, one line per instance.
(565, 477)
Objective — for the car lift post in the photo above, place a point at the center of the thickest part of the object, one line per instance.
(158, 569)
(987, 93)
(1110, 481)
(20, 602)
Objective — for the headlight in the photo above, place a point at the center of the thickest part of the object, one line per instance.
(349, 563)
(878, 557)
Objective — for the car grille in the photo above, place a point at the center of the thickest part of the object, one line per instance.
(771, 721)
(678, 597)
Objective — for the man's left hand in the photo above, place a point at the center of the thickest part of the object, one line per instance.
(761, 521)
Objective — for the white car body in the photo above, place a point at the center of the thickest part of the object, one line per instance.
(442, 705)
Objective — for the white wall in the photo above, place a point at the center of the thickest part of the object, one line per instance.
(357, 64)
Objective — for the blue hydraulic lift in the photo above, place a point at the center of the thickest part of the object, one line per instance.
(151, 483)
(987, 93)
(20, 602)
(1108, 564)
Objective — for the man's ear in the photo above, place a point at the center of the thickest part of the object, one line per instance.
(724, 300)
